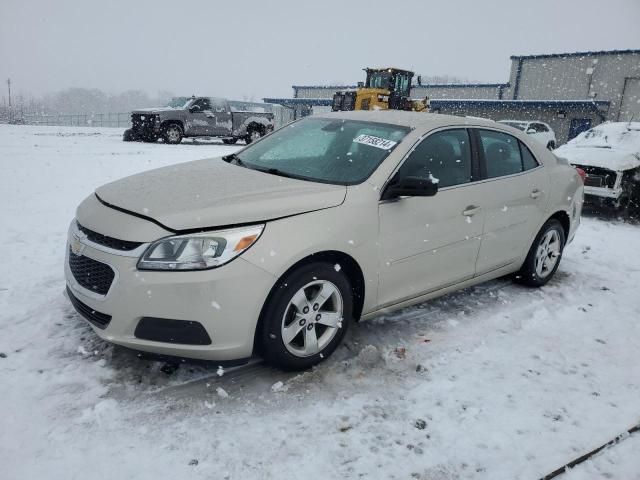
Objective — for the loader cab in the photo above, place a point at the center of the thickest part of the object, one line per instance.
(397, 81)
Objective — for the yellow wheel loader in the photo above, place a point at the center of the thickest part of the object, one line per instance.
(384, 89)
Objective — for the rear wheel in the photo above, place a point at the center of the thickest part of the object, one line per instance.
(307, 317)
(172, 133)
(252, 135)
(544, 255)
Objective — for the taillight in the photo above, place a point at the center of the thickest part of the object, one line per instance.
(582, 173)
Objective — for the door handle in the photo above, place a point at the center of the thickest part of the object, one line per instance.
(536, 193)
(470, 211)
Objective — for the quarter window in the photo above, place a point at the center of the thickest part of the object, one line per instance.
(445, 156)
(501, 153)
(528, 160)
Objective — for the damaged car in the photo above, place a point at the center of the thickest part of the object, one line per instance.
(609, 154)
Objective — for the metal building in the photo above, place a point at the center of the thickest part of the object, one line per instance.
(570, 91)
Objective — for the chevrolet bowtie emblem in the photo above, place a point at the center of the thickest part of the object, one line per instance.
(77, 247)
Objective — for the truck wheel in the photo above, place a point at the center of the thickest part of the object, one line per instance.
(229, 141)
(551, 145)
(252, 136)
(172, 133)
(129, 136)
(306, 318)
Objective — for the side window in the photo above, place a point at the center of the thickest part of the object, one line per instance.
(203, 104)
(501, 153)
(528, 160)
(445, 156)
(542, 128)
(219, 105)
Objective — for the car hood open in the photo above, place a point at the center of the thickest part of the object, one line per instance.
(212, 193)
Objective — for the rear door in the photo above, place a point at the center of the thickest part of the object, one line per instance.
(222, 117)
(514, 194)
(427, 243)
(202, 119)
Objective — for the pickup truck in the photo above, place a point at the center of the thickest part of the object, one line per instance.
(198, 117)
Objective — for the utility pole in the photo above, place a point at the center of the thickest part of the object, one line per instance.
(9, 87)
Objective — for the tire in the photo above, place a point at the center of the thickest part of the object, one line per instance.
(252, 135)
(291, 306)
(129, 136)
(229, 141)
(551, 145)
(536, 271)
(172, 133)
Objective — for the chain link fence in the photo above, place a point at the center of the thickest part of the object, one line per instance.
(118, 119)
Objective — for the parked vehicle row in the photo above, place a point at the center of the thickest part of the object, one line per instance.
(338, 217)
(198, 117)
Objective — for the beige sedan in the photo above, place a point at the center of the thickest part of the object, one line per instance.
(276, 249)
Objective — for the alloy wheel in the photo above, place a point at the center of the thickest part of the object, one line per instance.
(547, 254)
(312, 318)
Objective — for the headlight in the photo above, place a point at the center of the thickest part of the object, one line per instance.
(199, 251)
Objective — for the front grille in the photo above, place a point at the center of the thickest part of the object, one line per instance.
(598, 177)
(142, 121)
(100, 320)
(109, 242)
(91, 274)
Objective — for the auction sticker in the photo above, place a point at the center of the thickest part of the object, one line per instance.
(377, 142)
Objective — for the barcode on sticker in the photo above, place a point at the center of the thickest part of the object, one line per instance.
(377, 142)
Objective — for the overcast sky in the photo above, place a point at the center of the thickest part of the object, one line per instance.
(260, 48)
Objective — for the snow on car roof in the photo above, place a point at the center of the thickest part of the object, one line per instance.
(408, 119)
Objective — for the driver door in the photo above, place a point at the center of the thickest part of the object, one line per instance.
(428, 243)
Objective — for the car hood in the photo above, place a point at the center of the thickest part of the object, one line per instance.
(610, 158)
(211, 193)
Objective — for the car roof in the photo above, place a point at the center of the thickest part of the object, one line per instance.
(408, 119)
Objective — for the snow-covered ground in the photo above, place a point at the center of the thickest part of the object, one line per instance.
(497, 381)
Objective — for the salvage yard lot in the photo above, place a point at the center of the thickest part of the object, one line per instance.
(497, 381)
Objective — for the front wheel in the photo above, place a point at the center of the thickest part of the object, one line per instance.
(172, 133)
(551, 145)
(544, 255)
(307, 317)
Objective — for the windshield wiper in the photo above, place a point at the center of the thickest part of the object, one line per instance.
(232, 157)
(275, 171)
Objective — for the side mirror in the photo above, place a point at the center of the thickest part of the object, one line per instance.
(411, 187)
(194, 108)
(531, 131)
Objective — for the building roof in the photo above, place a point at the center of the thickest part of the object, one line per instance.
(424, 85)
(449, 102)
(577, 54)
(300, 101)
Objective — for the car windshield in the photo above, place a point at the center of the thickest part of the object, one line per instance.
(518, 125)
(178, 102)
(343, 152)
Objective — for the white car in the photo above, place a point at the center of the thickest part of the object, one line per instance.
(538, 130)
(609, 154)
(337, 217)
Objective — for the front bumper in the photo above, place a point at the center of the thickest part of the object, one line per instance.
(226, 301)
(603, 192)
